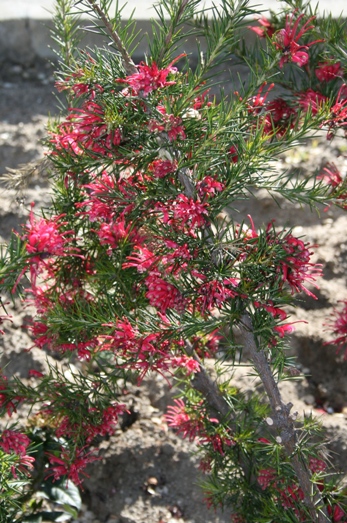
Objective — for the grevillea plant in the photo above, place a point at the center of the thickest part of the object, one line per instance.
(142, 264)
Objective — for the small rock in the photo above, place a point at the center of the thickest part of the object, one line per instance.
(309, 399)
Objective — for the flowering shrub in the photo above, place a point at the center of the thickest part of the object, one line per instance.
(134, 270)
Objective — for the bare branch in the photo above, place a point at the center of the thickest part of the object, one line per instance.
(283, 422)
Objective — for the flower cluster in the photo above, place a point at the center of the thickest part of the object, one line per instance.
(17, 443)
(70, 466)
(286, 41)
(191, 423)
(338, 327)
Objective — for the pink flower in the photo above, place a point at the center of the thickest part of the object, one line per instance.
(286, 40)
(265, 29)
(178, 418)
(285, 328)
(338, 327)
(43, 236)
(186, 363)
(327, 71)
(330, 175)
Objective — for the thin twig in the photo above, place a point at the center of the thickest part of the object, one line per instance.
(128, 64)
(171, 28)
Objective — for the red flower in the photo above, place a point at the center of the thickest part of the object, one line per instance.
(97, 422)
(337, 513)
(161, 168)
(143, 259)
(44, 237)
(280, 117)
(286, 40)
(113, 233)
(41, 334)
(4, 317)
(330, 175)
(35, 374)
(169, 124)
(24, 463)
(266, 477)
(217, 441)
(256, 104)
(86, 129)
(338, 112)
(291, 496)
(234, 155)
(338, 327)
(70, 466)
(178, 418)
(189, 211)
(285, 328)
(190, 365)
(209, 186)
(296, 267)
(317, 465)
(163, 295)
(274, 311)
(327, 71)
(150, 77)
(5, 398)
(12, 441)
(214, 293)
(312, 100)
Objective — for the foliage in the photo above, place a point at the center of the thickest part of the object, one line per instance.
(141, 265)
